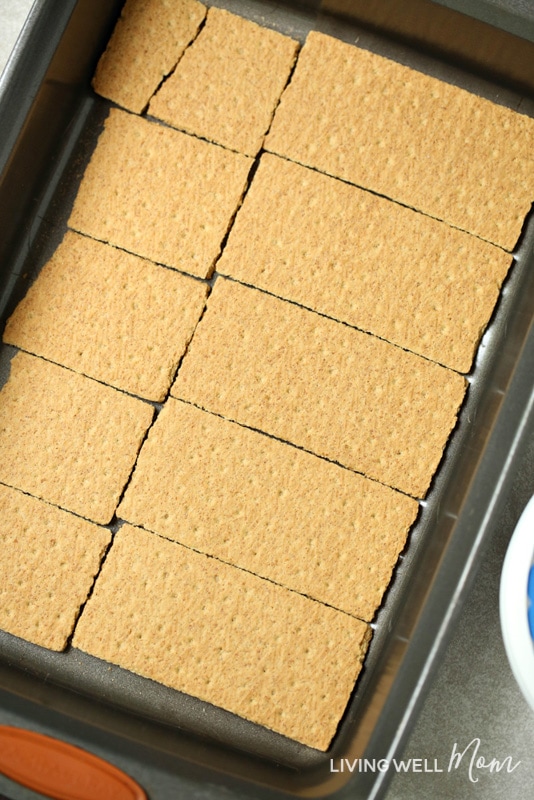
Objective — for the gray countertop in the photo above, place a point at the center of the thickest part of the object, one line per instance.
(13, 14)
(474, 701)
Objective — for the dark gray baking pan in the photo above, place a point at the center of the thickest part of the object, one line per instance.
(49, 121)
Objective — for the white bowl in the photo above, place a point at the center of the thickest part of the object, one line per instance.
(517, 602)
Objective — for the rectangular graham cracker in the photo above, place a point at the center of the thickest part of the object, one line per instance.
(148, 40)
(66, 438)
(267, 507)
(321, 385)
(48, 561)
(223, 635)
(364, 260)
(160, 193)
(408, 136)
(228, 83)
(109, 315)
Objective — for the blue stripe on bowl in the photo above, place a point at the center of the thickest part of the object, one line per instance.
(530, 593)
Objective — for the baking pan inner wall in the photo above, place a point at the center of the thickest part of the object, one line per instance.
(86, 674)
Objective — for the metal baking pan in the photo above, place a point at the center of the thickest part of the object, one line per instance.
(50, 119)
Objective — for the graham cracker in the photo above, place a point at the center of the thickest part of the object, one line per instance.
(66, 438)
(262, 505)
(420, 141)
(149, 38)
(160, 193)
(321, 385)
(109, 315)
(364, 260)
(48, 560)
(221, 634)
(228, 83)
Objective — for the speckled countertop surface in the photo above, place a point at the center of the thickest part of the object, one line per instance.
(473, 700)
(13, 14)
